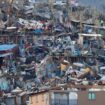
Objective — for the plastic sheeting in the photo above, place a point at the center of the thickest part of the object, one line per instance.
(3, 55)
(4, 85)
(6, 47)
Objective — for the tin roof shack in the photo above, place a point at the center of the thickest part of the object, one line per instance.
(82, 36)
(68, 97)
(15, 99)
(47, 98)
(41, 98)
(92, 28)
(90, 43)
(22, 98)
(18, 97)
(53, 97)
(10, 100)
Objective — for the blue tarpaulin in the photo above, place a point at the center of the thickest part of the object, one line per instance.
(6, 47)
(38, 31)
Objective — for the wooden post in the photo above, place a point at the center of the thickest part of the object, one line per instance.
(51, 5)
(68, 3)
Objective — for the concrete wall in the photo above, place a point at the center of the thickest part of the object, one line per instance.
(83, 98)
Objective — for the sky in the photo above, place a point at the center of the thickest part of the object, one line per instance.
(93, 3)
(96, 4)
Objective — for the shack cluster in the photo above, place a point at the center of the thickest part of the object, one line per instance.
(51, 54)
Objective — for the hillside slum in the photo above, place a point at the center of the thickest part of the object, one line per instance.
(43, 48)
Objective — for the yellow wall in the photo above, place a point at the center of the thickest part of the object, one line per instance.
(39, 99)
(51, 1)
